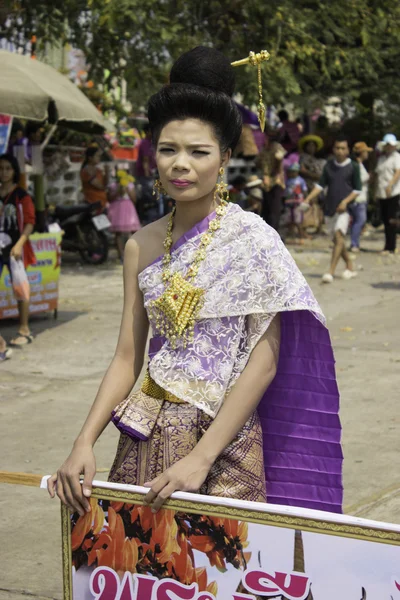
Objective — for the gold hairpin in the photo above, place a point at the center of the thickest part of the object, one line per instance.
(255, 60)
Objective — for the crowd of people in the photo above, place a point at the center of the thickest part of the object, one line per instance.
(300, 188)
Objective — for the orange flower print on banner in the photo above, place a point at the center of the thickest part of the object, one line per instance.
(130, 538)
(92, 521)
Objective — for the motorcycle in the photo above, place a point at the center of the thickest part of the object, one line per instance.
(84, 231)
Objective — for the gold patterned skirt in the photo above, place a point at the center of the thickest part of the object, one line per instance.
(237, 473)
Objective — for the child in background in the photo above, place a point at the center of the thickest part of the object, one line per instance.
(255, 200)
(254, 195)
(122, 211)
(296, 191)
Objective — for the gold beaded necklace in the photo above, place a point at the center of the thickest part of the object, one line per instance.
(176, 310)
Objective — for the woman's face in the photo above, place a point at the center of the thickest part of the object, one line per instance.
(188, 159)
(6, 172)
(95, 159)
(364, 155)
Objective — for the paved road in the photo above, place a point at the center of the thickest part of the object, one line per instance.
(46, 390)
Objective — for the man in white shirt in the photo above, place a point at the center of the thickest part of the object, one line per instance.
(388, 187)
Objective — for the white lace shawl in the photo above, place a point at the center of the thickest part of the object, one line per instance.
(249, 277)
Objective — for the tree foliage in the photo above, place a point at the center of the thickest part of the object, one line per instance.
(318, 47)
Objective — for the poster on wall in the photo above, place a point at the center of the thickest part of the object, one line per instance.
(204, 548)
(5, 130)
(43, 277)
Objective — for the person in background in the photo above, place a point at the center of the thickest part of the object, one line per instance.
(33, 137)
(270, 164)
(247, 147)
(342, 181)
(323, 130)
(295, 192)
(18, 147)
(388, 188)
(145, 170)
(237, 192)
(358, 209)
(5, 353)
(16, 137)
(300, 126)
(288, 132)
(255, 196)
(17, 220)
(259, 137)
(94, 179)
(311, 169)
(122, 212)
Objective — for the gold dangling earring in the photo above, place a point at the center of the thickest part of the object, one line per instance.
(221, 188)
(158, 188)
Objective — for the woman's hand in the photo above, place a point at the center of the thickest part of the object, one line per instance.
(16, 251)
(66, 482)
(388, 191)
(187, 475)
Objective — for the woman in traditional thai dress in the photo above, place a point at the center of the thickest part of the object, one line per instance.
(240, 397)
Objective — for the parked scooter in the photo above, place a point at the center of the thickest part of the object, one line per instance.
(84, 231)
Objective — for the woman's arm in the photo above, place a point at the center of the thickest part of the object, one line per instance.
(18, 249)
(29, 219)
(97, 183)
(132, 193)
(112, 192)
(189, 474)
(118, 382)
(309, 174)
(91, 176)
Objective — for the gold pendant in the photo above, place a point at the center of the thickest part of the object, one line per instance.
(261, 115)
(179, 306)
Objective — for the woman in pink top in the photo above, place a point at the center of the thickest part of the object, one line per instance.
(122, 211)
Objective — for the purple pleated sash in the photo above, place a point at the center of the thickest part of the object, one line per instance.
(299, 417)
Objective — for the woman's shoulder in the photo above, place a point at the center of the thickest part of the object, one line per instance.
(22, 194)
(149, 242)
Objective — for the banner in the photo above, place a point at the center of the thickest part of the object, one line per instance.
(5, 130)
(43, 277)
(218, 549)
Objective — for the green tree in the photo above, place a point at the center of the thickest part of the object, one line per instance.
(318, 47)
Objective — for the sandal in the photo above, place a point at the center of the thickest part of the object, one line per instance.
(6, 355)
(28, 340)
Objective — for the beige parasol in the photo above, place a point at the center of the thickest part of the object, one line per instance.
(30, 89)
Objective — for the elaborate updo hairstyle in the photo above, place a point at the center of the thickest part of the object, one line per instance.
(202, 82)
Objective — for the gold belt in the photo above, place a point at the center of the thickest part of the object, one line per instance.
(151, 388)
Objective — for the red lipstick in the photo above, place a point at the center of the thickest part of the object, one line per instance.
(181, 183)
